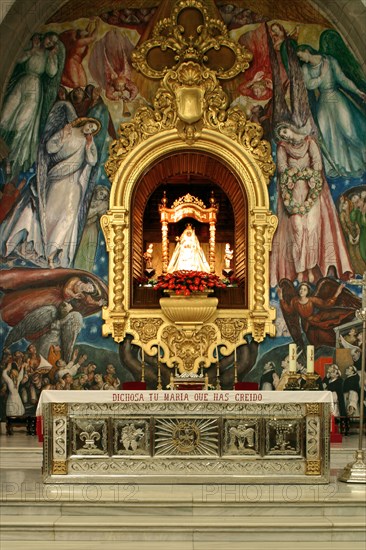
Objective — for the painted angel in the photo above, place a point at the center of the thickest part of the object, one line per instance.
(29, 97)
(67, 166)
(47, 306)
(339, 109)
(316, 313)
(110, 67)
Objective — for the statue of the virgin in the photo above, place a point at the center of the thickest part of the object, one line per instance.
(188, 254)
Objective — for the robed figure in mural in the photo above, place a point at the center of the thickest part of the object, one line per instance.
(29, 97)
(188, 254)
(340, 118)
(309, 240)
(47, 224)
(316, 313)
(47, 306)
(75, 153)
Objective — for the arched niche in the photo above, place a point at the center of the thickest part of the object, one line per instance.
(123, 219)
(205, 174)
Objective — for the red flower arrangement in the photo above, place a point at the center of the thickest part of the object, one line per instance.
(186, 282)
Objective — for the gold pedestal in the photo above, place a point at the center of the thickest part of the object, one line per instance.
(310, 382)
(189, 313)
(293, 382)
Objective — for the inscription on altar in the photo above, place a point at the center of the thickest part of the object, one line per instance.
(181, 396)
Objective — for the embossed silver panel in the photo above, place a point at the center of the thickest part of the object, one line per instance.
(283, 437)
(186, 436)
(187, 442)
(131, 436)
(89, 436)
(241, 436)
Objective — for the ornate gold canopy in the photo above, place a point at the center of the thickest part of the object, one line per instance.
(190, 113)
(184, 207)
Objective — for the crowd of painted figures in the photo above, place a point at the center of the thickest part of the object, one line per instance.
(24, 374)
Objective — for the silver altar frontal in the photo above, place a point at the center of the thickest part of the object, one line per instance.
(185, 436)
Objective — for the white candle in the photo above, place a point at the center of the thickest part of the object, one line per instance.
(292, 357)
(158, 353)
(235, 354)
(142, 355)
(310, 359)
(217, 354)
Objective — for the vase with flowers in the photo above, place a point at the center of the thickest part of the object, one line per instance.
(188, 283)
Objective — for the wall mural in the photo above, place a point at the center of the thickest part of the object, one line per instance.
(71, 88)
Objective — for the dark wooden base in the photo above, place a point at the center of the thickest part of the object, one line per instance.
(29, 422)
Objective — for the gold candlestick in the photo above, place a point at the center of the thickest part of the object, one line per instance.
(218, 386)
(159, 387)
(235, 372)
(143, 371)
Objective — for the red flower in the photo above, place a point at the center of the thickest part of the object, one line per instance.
(185, 282)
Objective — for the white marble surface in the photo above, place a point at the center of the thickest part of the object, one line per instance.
(176, 517)
(178, 545)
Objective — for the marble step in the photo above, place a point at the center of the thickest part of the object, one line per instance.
(208, 528)
(21, 458)
(178, 545)
(345, 507)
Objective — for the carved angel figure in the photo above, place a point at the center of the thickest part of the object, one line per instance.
(316, 313)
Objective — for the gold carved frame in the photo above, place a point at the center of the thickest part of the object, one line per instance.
(215, 130)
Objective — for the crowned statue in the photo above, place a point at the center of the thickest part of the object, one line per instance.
(188, 254)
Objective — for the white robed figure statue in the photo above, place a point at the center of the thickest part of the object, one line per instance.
(188, 254)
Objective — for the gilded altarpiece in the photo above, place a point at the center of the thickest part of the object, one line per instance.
(190, 114)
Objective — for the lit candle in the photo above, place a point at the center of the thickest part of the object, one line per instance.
(310, 360)
(292, 357)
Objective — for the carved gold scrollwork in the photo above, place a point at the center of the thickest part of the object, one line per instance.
(231, 329)
(59, 409)
(59, 467)
(313, 467)
(190, 35)
(119, 330)
(312, 408)
(146, 328)
(259, 331)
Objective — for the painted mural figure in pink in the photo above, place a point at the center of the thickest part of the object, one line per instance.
(77, 42)
(309, 242)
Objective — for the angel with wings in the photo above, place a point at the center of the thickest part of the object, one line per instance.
(39, 229)
(110, 67)
(47, 306)
(339, 110)
(317, 313)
